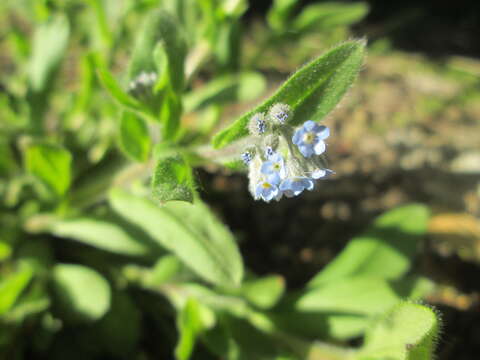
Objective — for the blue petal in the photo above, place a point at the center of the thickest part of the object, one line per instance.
(309, 125)
(286, 184)
(270, 193)
(297, 137)
(273, 178)
(306, 150)
(308, 184)
(267, 167)
(319, 148)
(276, 157)
(323, 132)
(319, 173)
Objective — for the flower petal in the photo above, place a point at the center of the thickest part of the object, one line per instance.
(273, 178)
(267, 168)
(306, 150)
(323, 132)
(319, 173)
(309, 125)
(297, 137)
(319, 148)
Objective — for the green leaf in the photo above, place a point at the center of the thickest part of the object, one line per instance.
(264, 292)
(49, 44)
(326, 16)
(225, 89)
(81, 294)
(170, 114)
(160, 26)
(189, 231)
(5, 250)
(12, 286)
(343, 309)
(407, 332)
(164, 270)
(133, 136)
(189, 325)
(312, 92)
(114, 88)
(279, 13)
(102, 234)
(50, 164)
(385, 250)
(172, 180)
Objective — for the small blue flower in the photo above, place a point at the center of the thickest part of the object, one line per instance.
(309, 138)
(294, 186)
(267, 189)
(274, 165)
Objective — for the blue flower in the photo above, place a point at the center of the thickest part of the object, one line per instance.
(294, 186)
(267, 189)
(309, 138)
(274, 165)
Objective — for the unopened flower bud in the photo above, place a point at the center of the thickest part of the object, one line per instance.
(257, 125)
(280, 113)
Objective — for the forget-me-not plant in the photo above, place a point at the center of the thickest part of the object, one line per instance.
(284, 160)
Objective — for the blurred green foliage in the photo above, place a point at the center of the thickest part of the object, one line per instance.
(92, 268)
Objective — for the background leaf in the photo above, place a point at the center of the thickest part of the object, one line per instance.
(225, 89)
(101, 234)
(12, 286)
(343, 309)
(312, 92)
(50, 164)
(385, 250)
(133, 136)
(189, 231)
(327, 15)
(49, 44)
(81, 293)
(189, 325)
(264, 292)
(160, 26)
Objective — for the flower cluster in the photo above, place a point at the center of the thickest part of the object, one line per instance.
(284, 161)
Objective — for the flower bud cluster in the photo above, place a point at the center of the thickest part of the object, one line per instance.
(284, 161)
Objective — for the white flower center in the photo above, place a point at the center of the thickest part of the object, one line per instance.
(309, 137)
(266, 185)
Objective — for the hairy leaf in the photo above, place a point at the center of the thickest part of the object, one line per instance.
(189, 231)
(312, 92)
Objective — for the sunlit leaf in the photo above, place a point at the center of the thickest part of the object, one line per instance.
(50, 164)
(81, 294)
(101, 234)
(312, 92)
(190, 231)
(407, 332)
(264, 292)
(12, 286)
(385, 250)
